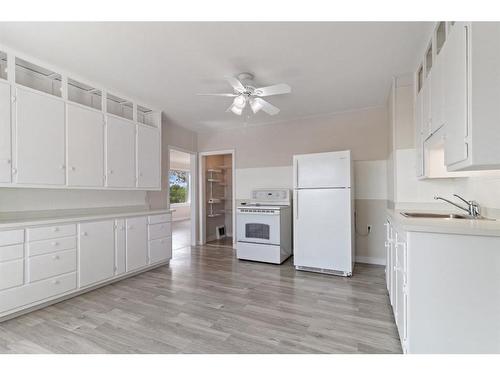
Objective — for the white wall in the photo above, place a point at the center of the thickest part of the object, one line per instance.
(263, 156)
(17, 199)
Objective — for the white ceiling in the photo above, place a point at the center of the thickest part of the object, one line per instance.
(332, 67)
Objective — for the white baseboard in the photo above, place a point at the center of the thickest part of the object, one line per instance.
(371, 260)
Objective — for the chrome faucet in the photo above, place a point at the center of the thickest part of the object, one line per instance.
(472, 207)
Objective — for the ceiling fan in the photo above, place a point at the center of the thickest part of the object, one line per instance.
(245, 92)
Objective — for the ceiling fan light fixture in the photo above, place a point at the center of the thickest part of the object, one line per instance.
(239, 101)
(255, 105)
(237, 110)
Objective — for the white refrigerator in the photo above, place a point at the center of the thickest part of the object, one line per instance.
(323, 231)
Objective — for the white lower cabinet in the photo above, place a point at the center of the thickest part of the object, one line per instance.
(5, 134)
(445, 297)
(396, 277)
(97, 252)
(51, 262)
(120, 247)
(137, 243)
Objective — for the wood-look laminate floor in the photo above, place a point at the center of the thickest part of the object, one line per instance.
(207, 301)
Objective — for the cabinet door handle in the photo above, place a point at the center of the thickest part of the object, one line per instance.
(63, 167)
(84, 233)
(73, 168)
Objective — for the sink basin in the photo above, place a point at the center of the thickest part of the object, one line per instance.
(426, 215)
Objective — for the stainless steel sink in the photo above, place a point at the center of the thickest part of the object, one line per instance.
(426, 215)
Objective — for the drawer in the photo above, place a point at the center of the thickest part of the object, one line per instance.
(156, 231)
(160, 250)
(11, 252)
(11, 237)
(11, 274)
(50, 246)
(27, 294)
(45, 233)
(155, 219)
(45, 266)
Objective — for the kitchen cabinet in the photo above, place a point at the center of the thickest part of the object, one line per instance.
(120, 154)
(40, 139)
(97, 252)
(462, 89)
(419, 138)
(426, 108)
(85, 146)
(5, 133)
(456, 102)
(42, 263)
(120, 247)
(148, 157)
(137, 243)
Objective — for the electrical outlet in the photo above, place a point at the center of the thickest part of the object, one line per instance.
(369, 227)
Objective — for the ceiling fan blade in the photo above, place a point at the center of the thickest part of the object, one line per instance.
(267, 107)
(281, 88)
(229, 95)
(237, 85)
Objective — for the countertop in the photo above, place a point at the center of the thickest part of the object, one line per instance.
(446, 226)
(28, 218)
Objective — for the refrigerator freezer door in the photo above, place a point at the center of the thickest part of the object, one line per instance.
(322, 229)
(324, 170)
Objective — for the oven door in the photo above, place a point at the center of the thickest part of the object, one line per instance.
(258, 227)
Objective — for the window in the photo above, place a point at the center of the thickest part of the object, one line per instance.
(179, 186)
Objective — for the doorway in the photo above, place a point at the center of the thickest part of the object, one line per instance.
(217, 204)
(181, 177)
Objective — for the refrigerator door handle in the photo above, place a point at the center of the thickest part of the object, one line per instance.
(296, 173)
(296, 204)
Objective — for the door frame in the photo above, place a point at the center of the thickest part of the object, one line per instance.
(202, 195)
(193, 185)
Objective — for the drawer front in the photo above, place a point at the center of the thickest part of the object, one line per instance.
(24, 295)
(11, 237)
(164, 218)
(45, 233)
(160, 250)
(11, 274)
(50, 246)
(45, 266)
(159, 231)
(11, 252)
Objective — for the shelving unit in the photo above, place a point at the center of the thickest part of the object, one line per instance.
(214, 176)
(3, 65)
(145, 116)
(119, 107)
(84, 94)
(38, 78)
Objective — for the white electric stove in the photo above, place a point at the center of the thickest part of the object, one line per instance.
(264, 227)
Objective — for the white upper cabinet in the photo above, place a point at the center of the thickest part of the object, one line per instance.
(58, 132)
(85, 146)
(148, 157)
(40, 140)
(456, 101)
(5, 134)
(120, 156)
(460, 98)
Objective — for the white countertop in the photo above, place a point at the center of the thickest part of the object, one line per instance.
(447, 226)
(28, 218)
